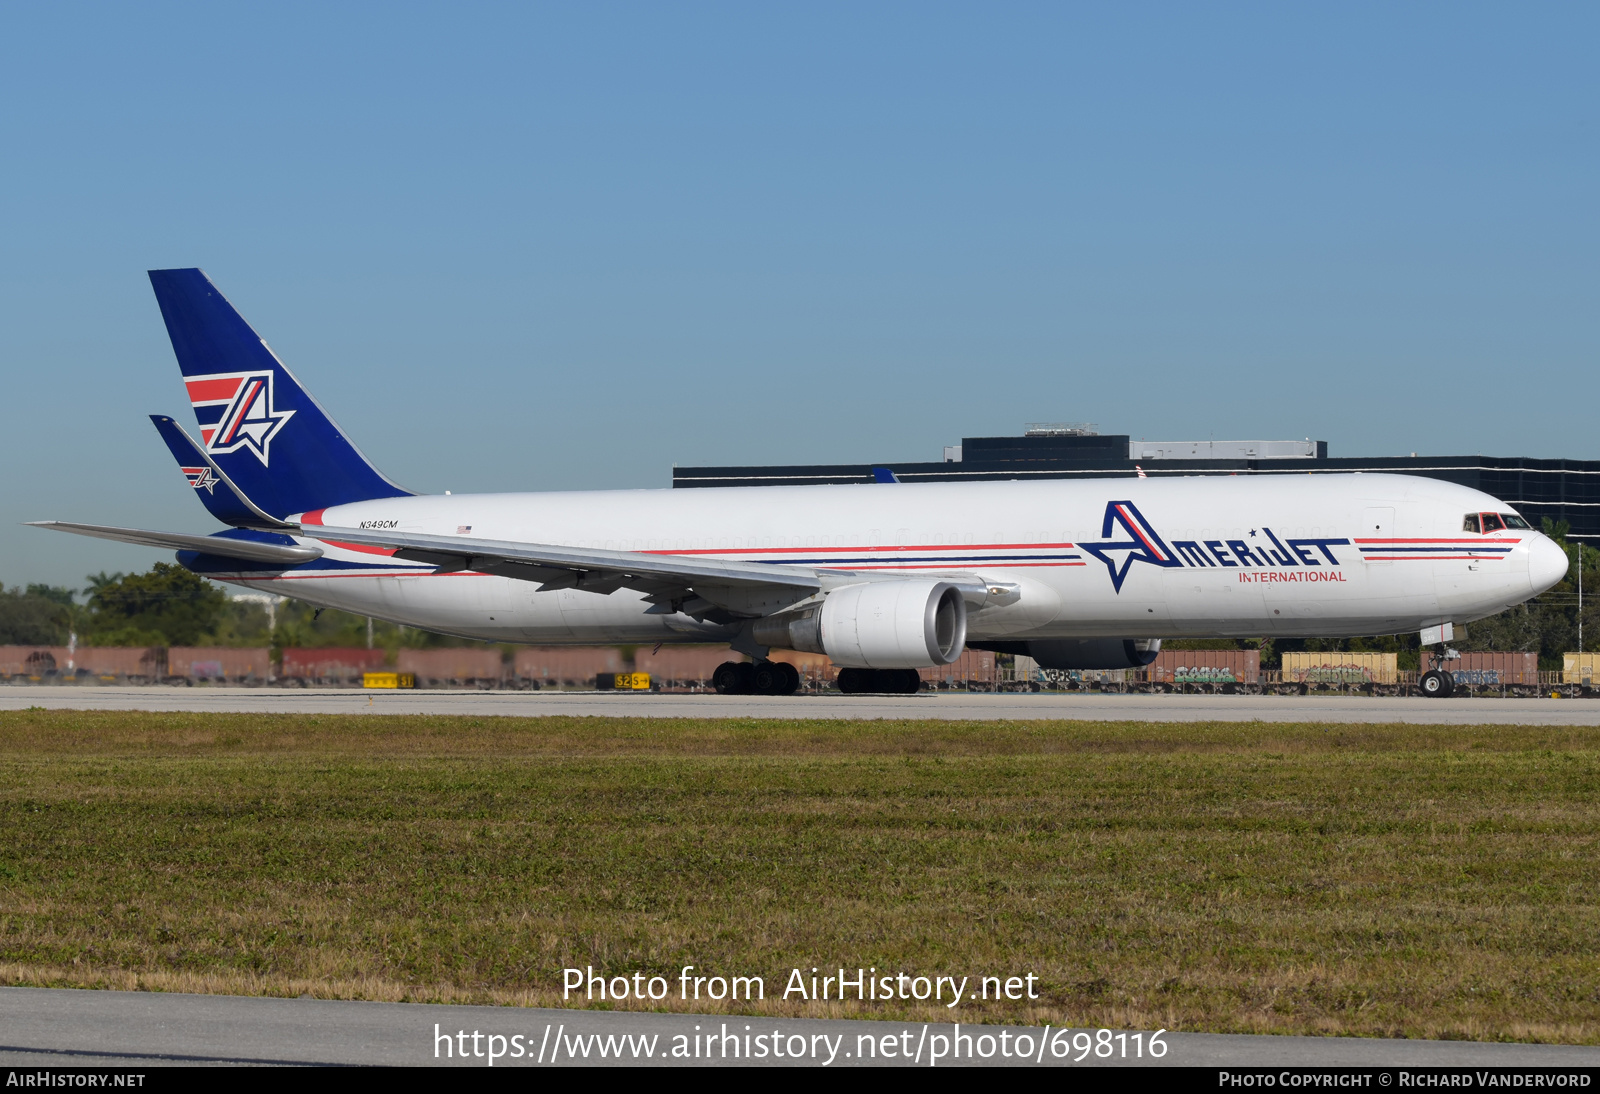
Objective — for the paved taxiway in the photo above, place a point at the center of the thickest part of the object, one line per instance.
(46, 1027)
(944, 705)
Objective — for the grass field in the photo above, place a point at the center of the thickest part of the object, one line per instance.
(1413, 881)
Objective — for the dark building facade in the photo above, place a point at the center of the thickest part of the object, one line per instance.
(1563, 490)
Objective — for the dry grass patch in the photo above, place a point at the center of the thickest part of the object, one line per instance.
(1390, 880)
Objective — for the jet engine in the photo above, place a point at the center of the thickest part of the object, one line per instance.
(1090, 653)
(896, 624)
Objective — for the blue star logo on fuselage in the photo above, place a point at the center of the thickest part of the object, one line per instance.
(1143, 544)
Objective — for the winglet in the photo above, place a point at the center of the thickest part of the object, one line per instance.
(883, 474)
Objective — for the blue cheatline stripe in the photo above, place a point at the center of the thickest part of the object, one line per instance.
(1436, 550)
(328, 565)
(340, 564)
(891, 559)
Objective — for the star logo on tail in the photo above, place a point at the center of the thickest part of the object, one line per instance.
(236, 411)
(201, 478)
(1142, 544)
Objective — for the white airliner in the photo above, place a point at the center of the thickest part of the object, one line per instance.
(883, 578)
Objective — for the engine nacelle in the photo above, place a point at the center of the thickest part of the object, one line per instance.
(1094, 653)
(896, 624)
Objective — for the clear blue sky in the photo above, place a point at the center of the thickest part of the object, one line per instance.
(556, 246)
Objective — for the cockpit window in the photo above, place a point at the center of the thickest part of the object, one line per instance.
(1514, 521)
(1470, 524)
(1493, 523)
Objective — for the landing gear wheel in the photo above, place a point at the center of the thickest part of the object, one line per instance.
(855, 681)
(768, 678)
(906, 681)
(791, 678)
(733, 678)
(1436, 685)
(775, 678)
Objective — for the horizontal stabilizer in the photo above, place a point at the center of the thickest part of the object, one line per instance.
(223, 547)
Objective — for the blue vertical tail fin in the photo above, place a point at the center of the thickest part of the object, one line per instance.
(277, 448)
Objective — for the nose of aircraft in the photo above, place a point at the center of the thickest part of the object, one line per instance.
(1547, 563)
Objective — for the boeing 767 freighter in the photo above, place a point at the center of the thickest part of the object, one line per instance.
(883, 579)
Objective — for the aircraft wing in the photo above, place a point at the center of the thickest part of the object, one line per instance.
(717, 589)
(463, 552)
(285, 554)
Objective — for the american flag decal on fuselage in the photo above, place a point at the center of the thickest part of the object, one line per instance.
(235, 410)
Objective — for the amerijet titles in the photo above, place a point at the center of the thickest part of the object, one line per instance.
(1267, 553)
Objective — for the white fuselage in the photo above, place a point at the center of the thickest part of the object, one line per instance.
(1303, 556)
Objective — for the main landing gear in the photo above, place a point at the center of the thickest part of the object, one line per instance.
(895, 681)
(781, 678)
(761, 678)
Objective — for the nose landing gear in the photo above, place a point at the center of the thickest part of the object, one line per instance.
(1436, 684)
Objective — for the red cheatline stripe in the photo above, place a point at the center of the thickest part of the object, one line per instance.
(361, 547)
(1479, 541)
(376, 571)
(212, 391)
(335, 575)
(1002, 565)
(857, 550)
(313, 517)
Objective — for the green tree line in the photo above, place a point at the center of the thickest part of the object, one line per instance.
(169, 606)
